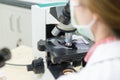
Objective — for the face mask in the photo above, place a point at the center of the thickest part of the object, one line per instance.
(84, 30)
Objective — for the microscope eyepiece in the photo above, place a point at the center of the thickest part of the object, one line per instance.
(62, 14)
(65, 17)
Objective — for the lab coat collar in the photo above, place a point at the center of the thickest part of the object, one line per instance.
(105, 52)
(104, 41)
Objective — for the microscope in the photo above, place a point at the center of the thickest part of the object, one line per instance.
(65, 48)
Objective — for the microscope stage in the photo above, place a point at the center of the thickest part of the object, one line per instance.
(60, 53)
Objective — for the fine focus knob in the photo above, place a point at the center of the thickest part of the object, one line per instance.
(37, 66)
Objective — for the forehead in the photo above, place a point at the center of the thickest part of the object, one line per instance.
(78, 2)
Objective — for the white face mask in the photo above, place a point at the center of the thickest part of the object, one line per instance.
(84, 30)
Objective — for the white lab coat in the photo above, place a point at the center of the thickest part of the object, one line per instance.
(104, 64)
(2, 76)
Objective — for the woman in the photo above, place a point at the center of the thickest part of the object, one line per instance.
(99, 20)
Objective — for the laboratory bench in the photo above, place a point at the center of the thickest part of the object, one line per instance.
(21, 55)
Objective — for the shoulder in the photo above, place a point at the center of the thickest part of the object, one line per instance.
(105, 52)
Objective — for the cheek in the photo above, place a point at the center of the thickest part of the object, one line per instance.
(83, 16)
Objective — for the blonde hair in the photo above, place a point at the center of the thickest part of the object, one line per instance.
(108, 10)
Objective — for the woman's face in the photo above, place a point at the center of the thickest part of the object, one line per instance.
(82, 14)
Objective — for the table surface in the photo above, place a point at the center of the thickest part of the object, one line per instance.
(20, 55)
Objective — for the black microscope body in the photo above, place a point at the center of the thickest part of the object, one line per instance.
(62, 52)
